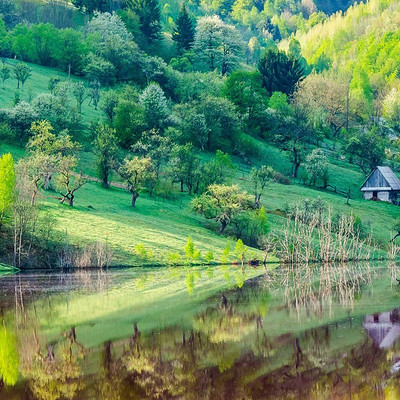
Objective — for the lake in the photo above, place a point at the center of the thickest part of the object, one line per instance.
(281, 332)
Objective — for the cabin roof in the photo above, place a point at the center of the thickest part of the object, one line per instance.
(388, 175)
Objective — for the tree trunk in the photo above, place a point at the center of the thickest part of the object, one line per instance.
(134, 198)
(223, 226)
(296, 161)
(296, 166)
(47, 179)
(105, 182)
(181, 186)
(71, 200)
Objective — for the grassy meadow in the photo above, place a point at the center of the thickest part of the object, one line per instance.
(164, 225)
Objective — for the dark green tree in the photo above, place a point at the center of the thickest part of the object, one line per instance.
(89, 6)
(272, 29)
(105, 146)
(184, 32)
(149, 14)
(280, 72)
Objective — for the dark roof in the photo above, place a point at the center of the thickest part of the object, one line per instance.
(391, 180)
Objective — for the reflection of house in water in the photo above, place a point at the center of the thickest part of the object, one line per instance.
(383, 328)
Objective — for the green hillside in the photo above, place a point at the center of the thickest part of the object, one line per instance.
(111, 101)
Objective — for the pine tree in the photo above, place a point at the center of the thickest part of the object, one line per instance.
(149, 14)
(280, 73)
(184, 31)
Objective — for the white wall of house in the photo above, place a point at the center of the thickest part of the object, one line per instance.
(383, 196)
(367, 195)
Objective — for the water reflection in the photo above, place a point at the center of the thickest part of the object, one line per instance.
(304, 332)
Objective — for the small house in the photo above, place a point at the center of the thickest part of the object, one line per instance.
(382, 184)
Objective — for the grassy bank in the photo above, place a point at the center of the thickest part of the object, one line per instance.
(164, 225)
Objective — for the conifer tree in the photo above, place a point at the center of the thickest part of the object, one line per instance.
(184, 32)
(280, 73)
(149, 14)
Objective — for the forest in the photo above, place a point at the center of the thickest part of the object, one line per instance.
(147, 131)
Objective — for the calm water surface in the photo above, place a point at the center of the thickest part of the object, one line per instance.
(304, 332)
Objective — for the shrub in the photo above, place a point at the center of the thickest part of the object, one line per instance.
(174, 258)
(143, 253)
(282, 179)
(94, 255)
(209, 257)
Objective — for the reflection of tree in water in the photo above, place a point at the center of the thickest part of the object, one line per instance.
(109, 380)
(227, 353)
(9, 359)
(54, 372)
(313, 288)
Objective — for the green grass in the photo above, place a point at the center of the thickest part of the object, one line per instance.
(38, 83)
(164, 225)
(106, 215)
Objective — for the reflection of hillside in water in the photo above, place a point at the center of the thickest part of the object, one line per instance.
(291, 333)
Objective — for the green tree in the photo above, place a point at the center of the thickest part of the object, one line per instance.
(99, 69)
(217, 46)
(365, 148)
(20, 118)
(184, 32)
(7, 186)
(155, 107)
(316, 166)
(217, 170)
(185, 167)
(94, 93)
(191, 253)
(280, 73)
(214, 118)
(90, 6)
(158, 147)
(260, 178)
(54, 109)
(129, 122)
(68, 181)
(244, 89)
(72, 50)
(327, 98)
(79, 92)
(293, 131)
(44, 42)
(5, 73)
(44, 149)
(240, 251)
(109, 104)
(135, 171)
(21, 73)
(105, 147)
(149, 14)
(222, 203)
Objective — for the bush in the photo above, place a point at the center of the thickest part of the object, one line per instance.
(165, 189)
(250, 226)
(174, 258)
(246, 146)
(143, 253)
(282, 179)
(95, 255)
